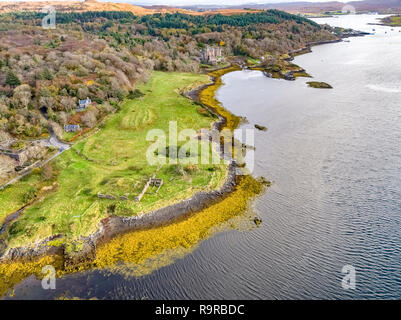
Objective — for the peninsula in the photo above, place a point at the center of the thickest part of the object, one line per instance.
(98, 83)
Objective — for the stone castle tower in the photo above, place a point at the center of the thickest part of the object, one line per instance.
(212, 55)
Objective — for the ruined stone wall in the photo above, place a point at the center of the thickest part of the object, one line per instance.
(33, 151)
(211, 55)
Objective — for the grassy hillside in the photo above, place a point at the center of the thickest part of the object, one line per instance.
(103, 54)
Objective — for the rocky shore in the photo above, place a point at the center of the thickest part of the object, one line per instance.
(115, 225)
(276, 70)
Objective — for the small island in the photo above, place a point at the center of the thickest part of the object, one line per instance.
(261, 128)
(392, 21)
(319, 85)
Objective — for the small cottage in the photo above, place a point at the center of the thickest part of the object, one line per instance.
(71, 127)
(83, 104)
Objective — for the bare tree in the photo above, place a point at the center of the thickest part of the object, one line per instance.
(89, 119)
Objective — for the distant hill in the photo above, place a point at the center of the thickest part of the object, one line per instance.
(81, 6)
(93, 5)
(311, 7)
(377, 5)
(292, 7)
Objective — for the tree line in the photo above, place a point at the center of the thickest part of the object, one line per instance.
(171, 20)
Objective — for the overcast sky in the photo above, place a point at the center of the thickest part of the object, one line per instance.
(192, 2)
(216, 2)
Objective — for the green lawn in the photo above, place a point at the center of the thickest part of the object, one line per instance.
(118, 167)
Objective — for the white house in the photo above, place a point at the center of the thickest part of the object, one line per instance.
(83, 104)
(71, 127)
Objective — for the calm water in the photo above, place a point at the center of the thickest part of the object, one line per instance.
(334, 157)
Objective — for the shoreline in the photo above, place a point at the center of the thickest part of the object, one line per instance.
(392, 21)
(115, 225)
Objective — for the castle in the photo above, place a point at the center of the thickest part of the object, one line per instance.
(212, 55)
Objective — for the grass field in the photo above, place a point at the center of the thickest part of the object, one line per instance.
(112, 161)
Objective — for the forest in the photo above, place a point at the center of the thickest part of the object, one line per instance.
(103, 55)
(174, 20)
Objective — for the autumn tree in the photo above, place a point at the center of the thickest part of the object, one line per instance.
(89, 119)
(47, 172)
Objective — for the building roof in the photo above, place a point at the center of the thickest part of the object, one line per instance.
(87, 100)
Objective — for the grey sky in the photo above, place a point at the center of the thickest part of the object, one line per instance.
(192, 2)
(214, 2)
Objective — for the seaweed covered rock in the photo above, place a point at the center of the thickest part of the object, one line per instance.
(319, 85)
(257, 221)
(261, 128)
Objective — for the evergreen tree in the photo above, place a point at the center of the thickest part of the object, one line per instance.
(12, 79)
(47, 74)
